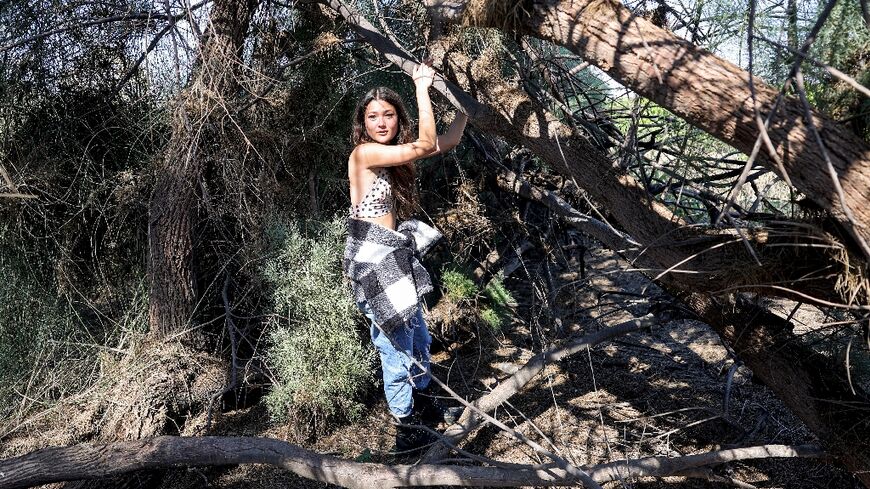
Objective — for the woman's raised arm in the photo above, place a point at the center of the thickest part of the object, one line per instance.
(450, 139)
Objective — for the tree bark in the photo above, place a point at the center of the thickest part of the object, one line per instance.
(99, 461)
(708, 92)
(199, 115)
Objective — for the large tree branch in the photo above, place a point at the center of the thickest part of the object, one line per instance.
(86, 461)
(704, 89)
(810, 385)
(764, 341)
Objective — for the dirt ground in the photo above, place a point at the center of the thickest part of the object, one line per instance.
(655, 392)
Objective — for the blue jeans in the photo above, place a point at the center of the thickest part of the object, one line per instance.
(401, 375)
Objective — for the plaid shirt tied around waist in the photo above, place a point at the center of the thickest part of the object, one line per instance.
(385, 270)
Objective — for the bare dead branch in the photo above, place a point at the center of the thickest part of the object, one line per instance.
(101, 461)
(763, 136)
(7, 179)
(88, 462)
(611, 237)
(153, 44)
(147, 16)
(656, 465)
(470, 420)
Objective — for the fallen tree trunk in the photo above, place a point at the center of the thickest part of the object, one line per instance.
(805, 380)
(705, 90)
(819, 395)
(761, 339)
(99, 461)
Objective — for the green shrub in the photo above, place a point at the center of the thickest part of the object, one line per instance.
(498, 295)
(500, 302)
(321, 367)
(458, 286)
(491, 318)
(492, 304)
(35, 331)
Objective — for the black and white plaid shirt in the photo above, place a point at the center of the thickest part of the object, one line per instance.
(384, 268)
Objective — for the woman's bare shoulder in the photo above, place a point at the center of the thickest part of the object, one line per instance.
(358, 156)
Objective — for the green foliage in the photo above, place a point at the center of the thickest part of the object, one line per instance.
(844, 43)
(72, 290)
(321, 367)
(497, 294)
(500, 301)
(86, 161)
(458, 286)
(32, 321)
(491, 318)
(493, 303)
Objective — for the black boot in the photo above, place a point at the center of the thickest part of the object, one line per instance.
(410, 440)
(431, 410)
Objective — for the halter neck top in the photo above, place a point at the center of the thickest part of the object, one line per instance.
(378, 201)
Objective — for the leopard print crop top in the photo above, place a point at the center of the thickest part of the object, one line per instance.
(378, 201)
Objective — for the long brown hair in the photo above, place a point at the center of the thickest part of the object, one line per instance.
(402, 177)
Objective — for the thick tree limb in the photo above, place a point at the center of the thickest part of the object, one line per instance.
(142, 57)
(656, 465)
(99, 461)
(705, 90)
(805, 380)
(17, 196)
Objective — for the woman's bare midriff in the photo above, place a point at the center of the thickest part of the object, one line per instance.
(388, 221)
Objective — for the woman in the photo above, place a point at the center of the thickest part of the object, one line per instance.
(380, 259)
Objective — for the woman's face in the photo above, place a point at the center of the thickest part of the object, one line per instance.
(382, 121)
